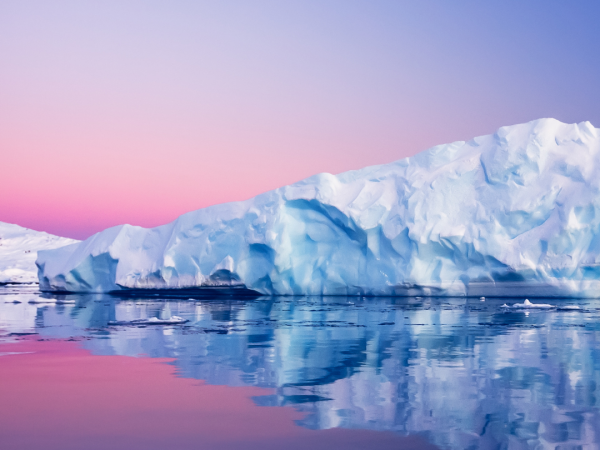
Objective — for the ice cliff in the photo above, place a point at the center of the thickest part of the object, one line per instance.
(516, 212)
(18, 252)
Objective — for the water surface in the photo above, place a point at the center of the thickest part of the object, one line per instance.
(353, 372)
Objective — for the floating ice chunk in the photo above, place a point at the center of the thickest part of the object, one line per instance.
(528, 305)
(50, 301)
(569, 308)
(14, 353)
(173, 320)
(38, 301)
(482, 299)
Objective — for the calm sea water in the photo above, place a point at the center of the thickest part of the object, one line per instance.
(304, 372)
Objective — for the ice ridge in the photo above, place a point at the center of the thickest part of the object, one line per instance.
(516, 212)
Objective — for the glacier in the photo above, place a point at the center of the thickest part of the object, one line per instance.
(513, 213)
(18, 252)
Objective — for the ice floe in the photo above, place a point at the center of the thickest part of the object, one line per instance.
(173, 320)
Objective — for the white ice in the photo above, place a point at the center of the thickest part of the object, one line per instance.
(528, 305)
(173, 320)
(18, 252)
(509, 214)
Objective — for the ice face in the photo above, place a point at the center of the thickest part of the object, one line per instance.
(18, 252)
(516, 212)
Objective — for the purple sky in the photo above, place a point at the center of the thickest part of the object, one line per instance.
(138, 111)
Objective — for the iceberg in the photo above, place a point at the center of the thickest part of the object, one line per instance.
(18, 252)
(516, 213)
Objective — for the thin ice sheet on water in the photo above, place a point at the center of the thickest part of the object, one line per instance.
(173, 320)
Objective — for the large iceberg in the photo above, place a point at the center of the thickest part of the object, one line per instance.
(516, 212)
(18, 252)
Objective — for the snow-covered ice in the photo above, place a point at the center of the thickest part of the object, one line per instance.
(528, 305)
(513, 213)
(18, 252)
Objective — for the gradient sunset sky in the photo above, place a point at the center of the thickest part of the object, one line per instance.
(138, 111)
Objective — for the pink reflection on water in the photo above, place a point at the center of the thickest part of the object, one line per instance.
(59, 396)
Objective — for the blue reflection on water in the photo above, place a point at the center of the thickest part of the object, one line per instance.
(465, 373)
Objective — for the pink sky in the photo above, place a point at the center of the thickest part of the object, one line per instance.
(136, 112)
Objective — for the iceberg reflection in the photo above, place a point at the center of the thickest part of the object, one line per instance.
(465, 373)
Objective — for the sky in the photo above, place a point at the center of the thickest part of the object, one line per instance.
(139, 111)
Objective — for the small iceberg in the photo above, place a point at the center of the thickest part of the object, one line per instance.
(50, 301)
(569, 308)
(173, 320)
(528, 305)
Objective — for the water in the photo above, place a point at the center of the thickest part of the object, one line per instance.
(349, 372)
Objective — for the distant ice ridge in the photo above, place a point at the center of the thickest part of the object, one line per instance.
(18, 252)
(516, 212)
